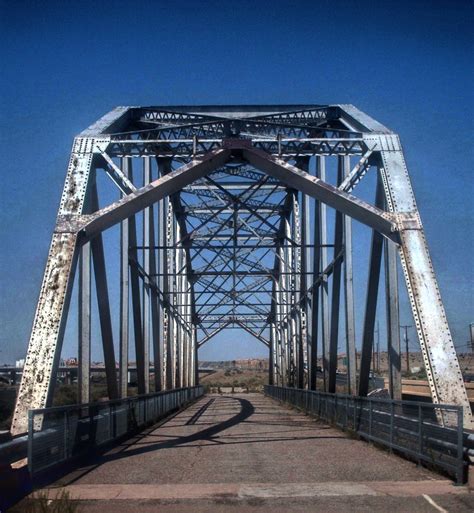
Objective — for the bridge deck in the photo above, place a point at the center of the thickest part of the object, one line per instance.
(248, 453)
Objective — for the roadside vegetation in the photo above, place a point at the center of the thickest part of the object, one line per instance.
(42, 503)
(235, 379)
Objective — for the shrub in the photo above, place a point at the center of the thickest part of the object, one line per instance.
(64, 395)
(41, 503)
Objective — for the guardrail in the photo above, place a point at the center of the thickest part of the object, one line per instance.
(412, 428)
(59, 434)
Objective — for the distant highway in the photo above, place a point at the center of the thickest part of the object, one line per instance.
(12, 373)
(341, 379)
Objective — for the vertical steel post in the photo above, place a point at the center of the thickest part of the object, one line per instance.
(161, 279)
(271, 357)
(166, 296)
(371, 301)
(278, 316)
(154, 306)
(136, 306)
(349, 299)
(189, 350)
(178, 299)
(315, 291)
(175, 295)
(179, 308)
(183, 313)
(196, 362)
(298, 279)
(336, 291)
(124, 298)
(321, 173)
(84, 323)
(305, 280)
(168, 284)
(147, 212)
(393, 320)
(289, 286)
(281, 351)
(187, 333)
(105, 318)
(184, 320)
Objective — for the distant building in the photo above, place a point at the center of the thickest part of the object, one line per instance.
(19, 364)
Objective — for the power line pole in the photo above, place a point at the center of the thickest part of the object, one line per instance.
(405, 327)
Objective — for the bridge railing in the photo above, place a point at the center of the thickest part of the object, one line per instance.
(59, 434)
(415, 429)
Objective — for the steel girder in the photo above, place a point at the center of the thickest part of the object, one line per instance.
(225, 243)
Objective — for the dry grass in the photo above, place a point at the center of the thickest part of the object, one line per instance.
(40, 502)
(248, 379)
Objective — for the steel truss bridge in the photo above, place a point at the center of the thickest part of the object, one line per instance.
(223, 224)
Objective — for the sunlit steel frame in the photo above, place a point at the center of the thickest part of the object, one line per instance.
(231, 203)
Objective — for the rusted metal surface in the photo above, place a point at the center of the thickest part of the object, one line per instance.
(48, 326)
(439, 355)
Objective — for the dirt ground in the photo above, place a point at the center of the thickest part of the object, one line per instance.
(253, 380)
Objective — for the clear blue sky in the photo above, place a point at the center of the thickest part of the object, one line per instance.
(64, 64)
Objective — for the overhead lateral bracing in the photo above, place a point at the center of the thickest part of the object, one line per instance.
(223, 216)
